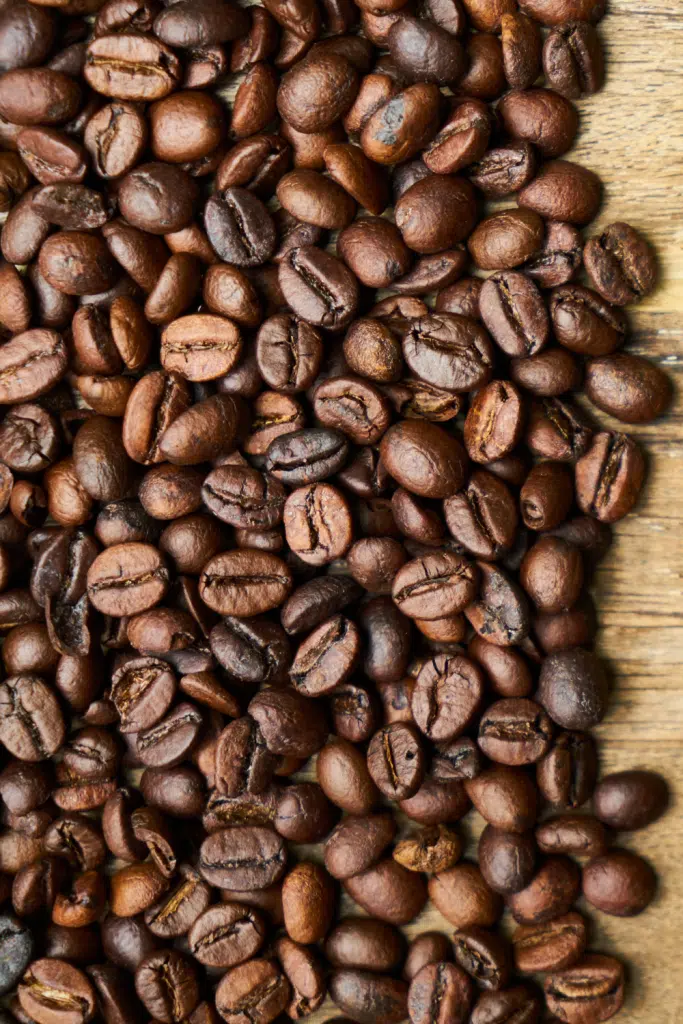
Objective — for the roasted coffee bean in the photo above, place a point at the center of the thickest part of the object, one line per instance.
(368, 997)
(31, 723)
(595, 985)
(435, 848)
(245, 858)
(573, 688)
(514, 312)
(54, 990)
(551, 892)
(620, 264)
(563, 191)
(580, 835)
(566, 775)
(483, 955)
(573, 60)
(17, 949)
(557, 429)
(447, 693)
(505, 798)
(226, 935)
(436, 213)
(504, 240)
(482, 517)
(258, 987)
(364, 943)
(619, 882)
(402, 125)
(630, 799)
(507, 860)
(627, 387)
(426, 948)
(552, 574)
(500, 613)
(395, 761)
(318, 287)
(449, 350)
(515, 731)
(495, 1007)
(439, 992)
(424, 459)
(549, 947)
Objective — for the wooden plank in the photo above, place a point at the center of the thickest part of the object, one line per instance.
(632, 136)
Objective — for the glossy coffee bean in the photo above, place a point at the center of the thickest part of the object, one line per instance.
(619, 882)
(601, 976)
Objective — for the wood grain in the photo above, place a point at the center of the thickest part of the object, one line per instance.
(632, 136)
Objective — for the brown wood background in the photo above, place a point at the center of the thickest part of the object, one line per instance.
(632, 136)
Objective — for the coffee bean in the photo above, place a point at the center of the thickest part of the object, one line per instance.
(627, 387)
(505, 798)
(514, 312)
(595, 985)
(356, 843)
(494, 1007)
(619, 882)
(563, 191)
(435, 213)
(367, 997)
(566, 775)
(551, 892)
(482, 517)
(573, 60)
(258, 985)
(573, 688)
(576, 834)
(364, 943)
(500, 613)
(17, 950)
(433, 849)
(439, 992)
(53, 990)
(402, 125)
(318, 287)
(483, 955)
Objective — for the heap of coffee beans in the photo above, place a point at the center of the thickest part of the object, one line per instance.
(290, 490)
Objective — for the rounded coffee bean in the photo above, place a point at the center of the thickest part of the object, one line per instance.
(542, 117)
(424, 458)
(313, 199)
(244, 583)
(436, 585)
(464, 898)
(504, 240)
(38, 96)
(356, 843)
(402, 125)
(500, 613)
(617, 458)
(505, 797)
(115, 138)
(573, 60)
(426, 948)
(573, 688)
(226, 935)
(436, 213)
(627, 387)
(113, 66)
(552, 574)
(521, 1001)
(388, 891)
(630, 799)
(308, 898)
(507, 860)
(167, 985)
(127, 579)
(16, 945)
(494, 422)
(343, 775)
(243, 858)
(619, 883)
(240, 227)
(439, 992)
(258, 984)
(288, 353)
(364, 943)
(374, 250)
(317, 523)
(316, 93)
(77, 263)
(594, 986)
(563, 191)
(318, 287)
(31, 723)
(548, 373)
(326, 658)
(450, 351)
(483, 516)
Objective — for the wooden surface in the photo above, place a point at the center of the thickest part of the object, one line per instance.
(632, 136)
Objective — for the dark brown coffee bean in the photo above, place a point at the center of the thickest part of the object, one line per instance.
(343, 775)
(131, 67)
(541, 117)
(31, 723)
(494, 422)
(563, 191)
(308, 898)
(594, 985)
(127, 579)
(505, 798)
(436, 585)
(627, 387)
(580, 835)
(292, 725)
(364, 943)
(484, 956)
(226, 935)
(317, 92)
(245, 858)
(326, 657)
(550, 893)
(514, 312)
(447, 694)
(630, 799)
(356, 843)
(450, 351)
(395, 761)
(583, 322)
(619, 883)
(557, 429)
(318, 287)
(368, 997)
(38, 96)
(360, 177)
(77, 263)
(609, 477)
(423, 458)
(507, 860)
(425, 52)
(439, 992)
(388, 891)
(41, 350)
(167, 985)
(158, 198)
(317, 523)
(566, 775)
(559, 257)
(515, 731)
(240, 228)
(258, 987)
(573, 60)
(504, 240)
(436, 213)
(482, 517)
(521, 1001)
(547, 374)
(521, 41)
